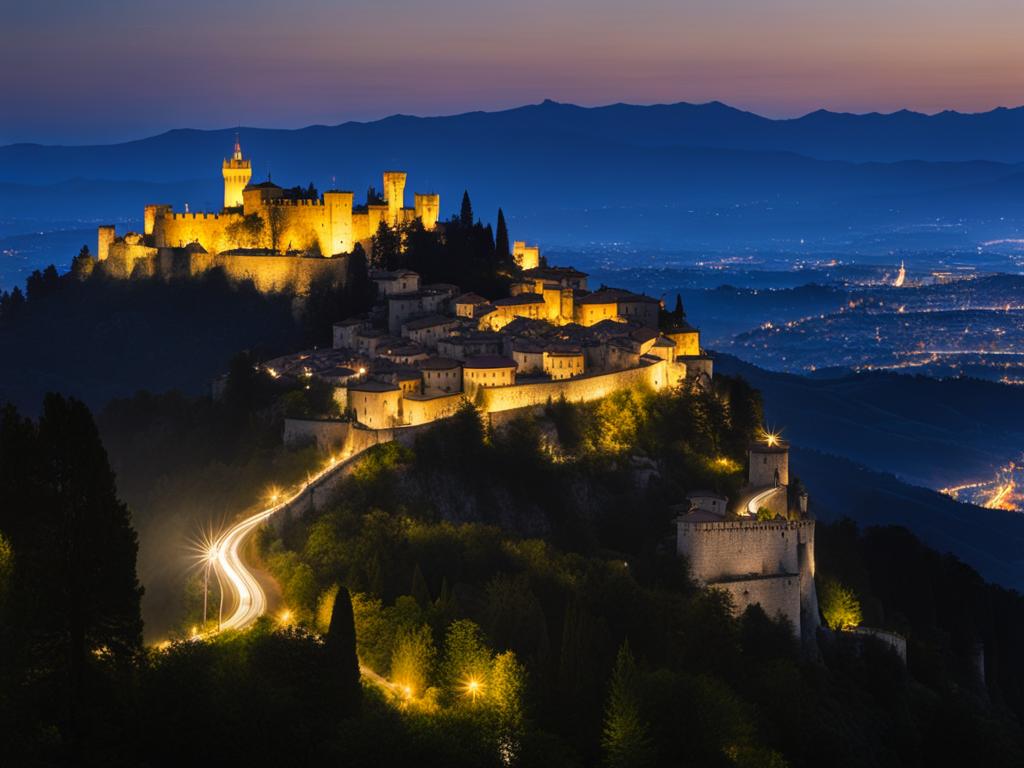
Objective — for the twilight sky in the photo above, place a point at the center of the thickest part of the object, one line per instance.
(84, 71)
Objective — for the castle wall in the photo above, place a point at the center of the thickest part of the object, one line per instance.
(581, 389)
(176, 230)
(720, 550)
(278, 273)
(775, 594)
(423, 409)
(122, 258)
(328, 435)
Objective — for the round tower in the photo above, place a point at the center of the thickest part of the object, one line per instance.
(237, 172)
(769, 463)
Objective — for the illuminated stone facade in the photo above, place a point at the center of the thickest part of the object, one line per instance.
(265, 220)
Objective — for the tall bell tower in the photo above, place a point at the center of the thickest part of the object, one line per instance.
(237, 172)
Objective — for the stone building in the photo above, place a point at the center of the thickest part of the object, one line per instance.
(260, 225)
(767, 559)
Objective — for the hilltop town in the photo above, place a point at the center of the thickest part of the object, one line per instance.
(423, 351)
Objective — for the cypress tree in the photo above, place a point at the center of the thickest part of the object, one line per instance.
(625, 740)
(361, 290)
(340, 647)
(502, 252)
(466, 212)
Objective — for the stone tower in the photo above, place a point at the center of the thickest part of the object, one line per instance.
(105, 238)
(427, 209)
(394, 195)
(237, 172)
(769, 463)
(338, 206)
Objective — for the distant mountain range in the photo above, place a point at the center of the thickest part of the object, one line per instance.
(651, 174)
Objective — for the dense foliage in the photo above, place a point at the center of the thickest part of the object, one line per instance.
(461, 251)
(517, 589)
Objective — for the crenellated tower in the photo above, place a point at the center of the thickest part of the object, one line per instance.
(237, 172)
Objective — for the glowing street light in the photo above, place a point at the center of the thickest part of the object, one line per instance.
(472, 688)
(285, 618)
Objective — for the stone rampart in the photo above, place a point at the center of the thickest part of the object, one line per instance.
(775, 594)
(578, 390)
(720, 550)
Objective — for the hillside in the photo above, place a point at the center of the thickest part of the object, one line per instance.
(925, 431)
(989, 540)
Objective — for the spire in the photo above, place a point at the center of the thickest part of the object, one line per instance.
(238, 148)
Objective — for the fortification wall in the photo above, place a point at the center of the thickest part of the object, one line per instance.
(775, 594)
(894, 640)
(578, 390)
(174, 230)
(277, 273)
(424, 409)
(122, 259)
(328, 435)
(721, 550)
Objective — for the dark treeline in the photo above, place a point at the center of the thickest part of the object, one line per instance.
(542, 535)
(543, 544)
(461, 251)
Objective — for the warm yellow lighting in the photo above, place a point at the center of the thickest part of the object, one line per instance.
(285, 617)
(362, 371)
(472, 688)
(771, 439)
(273, 495)
(195, 630)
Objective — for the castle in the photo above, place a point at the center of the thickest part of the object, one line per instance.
(279, 238)
(761, 551)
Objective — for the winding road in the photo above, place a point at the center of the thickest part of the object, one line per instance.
(249, 601)
(758, 499)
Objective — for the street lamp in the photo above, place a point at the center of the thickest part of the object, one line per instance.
(211, 556)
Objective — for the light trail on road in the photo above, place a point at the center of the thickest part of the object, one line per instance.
(755, 502)
(249, 599)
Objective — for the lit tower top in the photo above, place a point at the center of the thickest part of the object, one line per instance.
(237, 172)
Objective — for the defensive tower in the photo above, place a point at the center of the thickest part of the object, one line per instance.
(427, 209)
(394, 195)
(237, 172)
(769, 463)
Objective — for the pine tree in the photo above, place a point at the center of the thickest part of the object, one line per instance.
(625, 740)
(340, 649)
(83, 264)
(502, 252)
(466, 212)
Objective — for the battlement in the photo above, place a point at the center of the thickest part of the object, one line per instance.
(308, 202)
(198, 216)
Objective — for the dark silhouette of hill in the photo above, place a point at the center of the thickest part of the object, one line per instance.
(647, 174)
(933, 432)
(989, 540)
